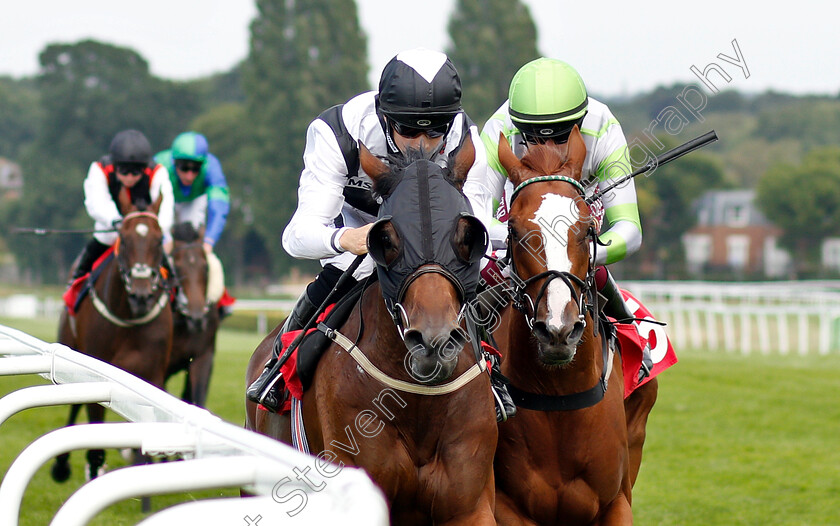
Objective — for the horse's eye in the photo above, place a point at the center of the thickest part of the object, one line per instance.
(385, 240)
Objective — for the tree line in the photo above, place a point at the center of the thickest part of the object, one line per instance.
(307, 56)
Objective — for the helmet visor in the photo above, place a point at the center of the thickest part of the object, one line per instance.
(540, 132)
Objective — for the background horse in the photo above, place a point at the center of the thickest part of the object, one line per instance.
(195, 318)
(565, 458)
(430, 454)
(125, 319)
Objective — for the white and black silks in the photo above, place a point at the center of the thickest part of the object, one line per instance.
(433, 224)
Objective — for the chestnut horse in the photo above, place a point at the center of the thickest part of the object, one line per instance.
(125, 319)
(195, 318)
(427, 444)
(572, 453)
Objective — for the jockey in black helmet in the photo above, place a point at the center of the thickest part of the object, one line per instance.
(418, 104)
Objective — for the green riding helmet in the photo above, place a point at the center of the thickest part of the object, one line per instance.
(190, 146)
(547, 98)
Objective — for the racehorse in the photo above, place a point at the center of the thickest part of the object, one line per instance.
(125, 319)
(427, 444)
(195, 317)
(572, 453)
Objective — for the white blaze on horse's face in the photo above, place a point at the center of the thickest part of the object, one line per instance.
(555, 216)
(142, 230)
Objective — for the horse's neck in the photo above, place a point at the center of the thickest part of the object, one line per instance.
(526, 371)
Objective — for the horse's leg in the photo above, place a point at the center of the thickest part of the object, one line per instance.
(61, 468)
(637, 407)
(506, 513)
(618, 512)
(483, 513)
(95, 457)
(198, 376)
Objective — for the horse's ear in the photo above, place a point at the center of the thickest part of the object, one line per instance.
(371, 164)
(124, 201)
(464, 159)
(509, 161)
(576, 152)
(156, 205)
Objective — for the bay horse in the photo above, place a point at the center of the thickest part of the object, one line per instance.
(572, 453)
(125, 319)
(195, 317)
(428, 445)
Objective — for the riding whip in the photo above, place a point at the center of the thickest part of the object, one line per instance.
(665, 158)
(309, 324)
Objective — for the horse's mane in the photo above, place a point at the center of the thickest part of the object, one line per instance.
(544, 159)
(385, 184)
(184, 232)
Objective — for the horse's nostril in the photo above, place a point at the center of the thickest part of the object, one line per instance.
(576, 332)
(414, 341)
(453, 345)
(542, 332)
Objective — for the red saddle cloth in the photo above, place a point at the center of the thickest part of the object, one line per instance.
(72, 295)
(633, 337)
(289, 367)
(226, 300)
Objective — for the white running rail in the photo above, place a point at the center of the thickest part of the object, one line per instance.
(801, 317)
(216, 454)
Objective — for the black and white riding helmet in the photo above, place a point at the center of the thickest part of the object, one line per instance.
(420, 89)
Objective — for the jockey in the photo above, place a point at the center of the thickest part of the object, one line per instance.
(128, 164)
(418, 104)
(547, 99)
(201, 193)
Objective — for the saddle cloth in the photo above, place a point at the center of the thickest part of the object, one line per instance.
(77, 290)
(633, 337)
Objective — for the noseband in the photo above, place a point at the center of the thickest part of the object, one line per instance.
(398, 312)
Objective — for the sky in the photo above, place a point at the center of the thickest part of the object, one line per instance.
(620, 48)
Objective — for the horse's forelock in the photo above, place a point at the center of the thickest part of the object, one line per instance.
(544, 159)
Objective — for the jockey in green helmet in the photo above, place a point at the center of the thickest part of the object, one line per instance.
(547, 99)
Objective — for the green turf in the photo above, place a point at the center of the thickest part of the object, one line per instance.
(732, 440)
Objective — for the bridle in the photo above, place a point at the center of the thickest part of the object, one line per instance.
(128, 275)
(181, 299)
(588, 292)
(398, 312)
(138, 270)
(587, 299)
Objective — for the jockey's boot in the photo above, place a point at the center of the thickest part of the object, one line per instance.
(505, 408)
(266, 389)
(92, 251)
(615, 307)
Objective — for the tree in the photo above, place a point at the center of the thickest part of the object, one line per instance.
(804, 201)
(20, 115)
(304, 58)
(491, 40)
(89, 91)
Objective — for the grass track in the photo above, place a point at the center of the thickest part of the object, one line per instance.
(732, 440)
